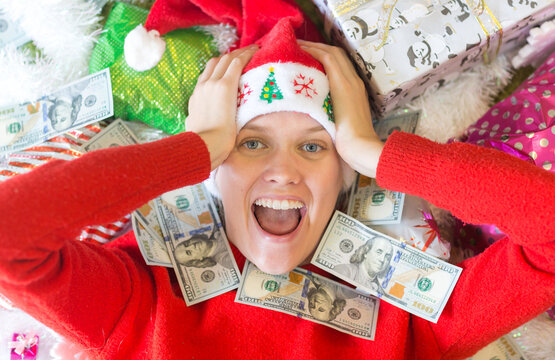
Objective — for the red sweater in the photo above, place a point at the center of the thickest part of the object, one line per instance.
(106, 299)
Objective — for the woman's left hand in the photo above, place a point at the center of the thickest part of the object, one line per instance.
(355, 140)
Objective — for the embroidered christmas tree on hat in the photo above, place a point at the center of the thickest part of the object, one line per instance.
(271, 91)
(286, 78)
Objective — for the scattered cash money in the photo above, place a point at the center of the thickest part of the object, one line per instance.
(116, 134)
(387, 268)
(405, 122)
(373, 205)
(309, 296)
(502, 349)
(80, 103)
(153, 252)
(11, 33)
(196, 243)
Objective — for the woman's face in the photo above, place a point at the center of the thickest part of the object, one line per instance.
(279, 187)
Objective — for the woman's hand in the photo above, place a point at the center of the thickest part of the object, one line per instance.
(355, 140)
(213, 105)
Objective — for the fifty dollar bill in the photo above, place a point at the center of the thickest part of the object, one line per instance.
(384, 267)
(370, 203)
(78, 104)
(196, 243)
(304, 294)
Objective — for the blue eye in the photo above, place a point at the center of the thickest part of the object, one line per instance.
(311, 147)
(252, 144)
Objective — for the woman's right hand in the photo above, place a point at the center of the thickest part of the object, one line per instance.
(213, 105)
(355, 139)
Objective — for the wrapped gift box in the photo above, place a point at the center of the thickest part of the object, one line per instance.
(402, 47)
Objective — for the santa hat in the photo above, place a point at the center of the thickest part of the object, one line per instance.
(283, 77)
(280, 76)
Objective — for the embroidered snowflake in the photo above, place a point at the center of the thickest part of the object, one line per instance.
(305, 86)
(243, 94)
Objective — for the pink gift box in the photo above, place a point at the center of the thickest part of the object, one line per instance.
(523, 124)
(24, 346)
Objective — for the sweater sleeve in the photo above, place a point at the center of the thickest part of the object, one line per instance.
(514, 279)
(74, 286)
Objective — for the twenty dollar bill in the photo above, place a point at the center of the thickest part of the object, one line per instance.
(387, 268)
(304, 294)
(196, 243)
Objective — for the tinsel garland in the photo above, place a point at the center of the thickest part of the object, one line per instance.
(64, 31)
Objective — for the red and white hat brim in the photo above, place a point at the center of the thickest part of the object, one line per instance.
(303, 89)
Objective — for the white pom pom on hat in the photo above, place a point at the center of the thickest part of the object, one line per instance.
(143, 49)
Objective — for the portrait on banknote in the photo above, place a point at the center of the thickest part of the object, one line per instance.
(202, 251)
(325, 300)
(369, 263)
(64, 106)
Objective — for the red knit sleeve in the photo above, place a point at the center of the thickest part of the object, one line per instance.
(77, 287)
(513, 280)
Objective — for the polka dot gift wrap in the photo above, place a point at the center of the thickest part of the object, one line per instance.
(523, 124)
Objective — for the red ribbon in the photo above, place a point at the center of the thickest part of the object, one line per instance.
(433, 231)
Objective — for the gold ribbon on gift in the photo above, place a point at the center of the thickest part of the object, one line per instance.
(478, 7)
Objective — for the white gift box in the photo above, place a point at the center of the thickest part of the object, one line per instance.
(402, 47)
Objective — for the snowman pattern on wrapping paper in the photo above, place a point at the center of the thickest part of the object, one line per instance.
(524, 123)
(427, 49)
(515, 3)
(362, 30)
(457, 9)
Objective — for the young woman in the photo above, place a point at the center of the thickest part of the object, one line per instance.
(106, 298)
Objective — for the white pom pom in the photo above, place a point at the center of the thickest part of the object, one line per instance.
(143, 49)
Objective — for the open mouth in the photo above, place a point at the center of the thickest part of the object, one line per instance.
(278, 217)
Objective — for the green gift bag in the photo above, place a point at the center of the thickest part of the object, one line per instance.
(158, 96)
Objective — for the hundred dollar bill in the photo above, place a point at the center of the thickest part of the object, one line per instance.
(116, 134)
(11, 33)
(153, 252)
(405, 122)
(387, 268)
(78, 104)
(502, 349)
(370, 203)
(196, 243)
(148, 216)
(373, 205)
(304, 294)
